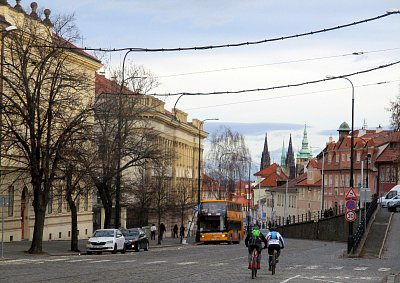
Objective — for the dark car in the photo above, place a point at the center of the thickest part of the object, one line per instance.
(135, 239)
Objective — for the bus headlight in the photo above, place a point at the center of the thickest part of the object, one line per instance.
(224, 235)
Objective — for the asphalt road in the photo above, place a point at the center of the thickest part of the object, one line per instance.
(301, 261)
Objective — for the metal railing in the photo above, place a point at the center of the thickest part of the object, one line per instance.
(364, 223)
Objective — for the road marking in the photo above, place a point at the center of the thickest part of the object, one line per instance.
(129, 260)
(294, 266)
(383, 269)
(294, 277)
(336, 267)
(360, 268)
(101, 260)
(186, 263)
(312, 267)
(80, 260)
(155, 262)
(218, 264)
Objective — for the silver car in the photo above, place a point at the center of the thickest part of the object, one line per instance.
(394, 204)
(106, 240)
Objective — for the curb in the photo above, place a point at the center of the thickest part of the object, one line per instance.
(384, 238)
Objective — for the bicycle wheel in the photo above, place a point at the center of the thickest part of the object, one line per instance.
(273, 263)
(254, 264)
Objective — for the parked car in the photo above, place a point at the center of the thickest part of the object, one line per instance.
(106, 240)
(394, 204)
(135, 239)
(391, 194)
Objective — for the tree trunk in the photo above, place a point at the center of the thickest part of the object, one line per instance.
(37, 240)
(74, 224)
(107, 216)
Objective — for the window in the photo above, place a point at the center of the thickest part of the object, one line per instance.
(343, 157)
(50, 204)
(10, 200)
(336, 181)
(348, 157)
(337, 158)
(59, 200)
(329, 158)
(330, 180)
(358, 156)
(347, 180)
(86, 202)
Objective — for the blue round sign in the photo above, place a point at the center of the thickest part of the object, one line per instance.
(351, 204)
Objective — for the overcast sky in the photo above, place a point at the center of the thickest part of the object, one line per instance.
(188, 23)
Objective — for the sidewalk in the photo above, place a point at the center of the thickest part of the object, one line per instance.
(17, 250)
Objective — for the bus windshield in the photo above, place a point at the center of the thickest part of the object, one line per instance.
(212, 224)
(213, 207)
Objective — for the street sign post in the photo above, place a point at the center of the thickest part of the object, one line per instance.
(351, 204)
(350, 216)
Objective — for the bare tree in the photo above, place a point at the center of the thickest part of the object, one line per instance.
(40, 107)
(182, 199)
(228, 159)
(161, 178)
(121, 130)
(395, 113)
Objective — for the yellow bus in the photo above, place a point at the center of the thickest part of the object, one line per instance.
(221, 221)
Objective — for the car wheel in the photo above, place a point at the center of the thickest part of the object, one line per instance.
(138, 247)
(88, 253)
(147, 246)
(123, 249)
(115, 249)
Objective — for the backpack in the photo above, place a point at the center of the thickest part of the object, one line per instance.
(274, 235)
(254, 241)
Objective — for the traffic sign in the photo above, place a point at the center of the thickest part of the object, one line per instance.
(351, 194)
(351, 204)
(350, 216)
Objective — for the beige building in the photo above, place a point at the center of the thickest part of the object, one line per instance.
(16, 194)
(181, 139)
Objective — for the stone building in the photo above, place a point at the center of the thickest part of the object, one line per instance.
(16, 194)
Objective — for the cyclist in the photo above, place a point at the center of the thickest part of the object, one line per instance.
(254, 241)
(274, 242)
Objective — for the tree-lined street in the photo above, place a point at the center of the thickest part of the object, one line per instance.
(301, 261)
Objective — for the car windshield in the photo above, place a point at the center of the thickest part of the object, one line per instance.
(130, 233)
(104, 233)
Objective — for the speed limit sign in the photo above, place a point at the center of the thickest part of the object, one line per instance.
(350, 216)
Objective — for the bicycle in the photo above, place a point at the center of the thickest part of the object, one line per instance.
(273, 262)
(253, 261)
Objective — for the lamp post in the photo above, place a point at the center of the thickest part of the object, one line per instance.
(199, 179)
(350, 239)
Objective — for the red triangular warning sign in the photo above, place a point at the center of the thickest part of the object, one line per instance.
(351, 193)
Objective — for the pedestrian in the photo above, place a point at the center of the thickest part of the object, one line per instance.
(153, 230)
(182, 232)
(175, 230)
(162, 231)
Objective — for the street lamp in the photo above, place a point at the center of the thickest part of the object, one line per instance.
(350, 239)
(199, 179)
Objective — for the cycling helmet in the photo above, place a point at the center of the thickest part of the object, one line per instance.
(256, 231)
(272, 228)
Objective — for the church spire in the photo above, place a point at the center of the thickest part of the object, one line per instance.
(265, 156)
(290, 162)
(305, 152)
(283, 154)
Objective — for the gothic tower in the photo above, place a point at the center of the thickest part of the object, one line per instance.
(304, 154)
(265, 157)
(290, 162)
(283, 155)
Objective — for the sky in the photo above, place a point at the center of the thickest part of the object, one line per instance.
(280, 111)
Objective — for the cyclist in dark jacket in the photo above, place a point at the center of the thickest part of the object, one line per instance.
(254, 241)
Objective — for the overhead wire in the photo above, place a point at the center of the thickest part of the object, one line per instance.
(207, 47)
(356, 53)
(285, 96)
(275, 87)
